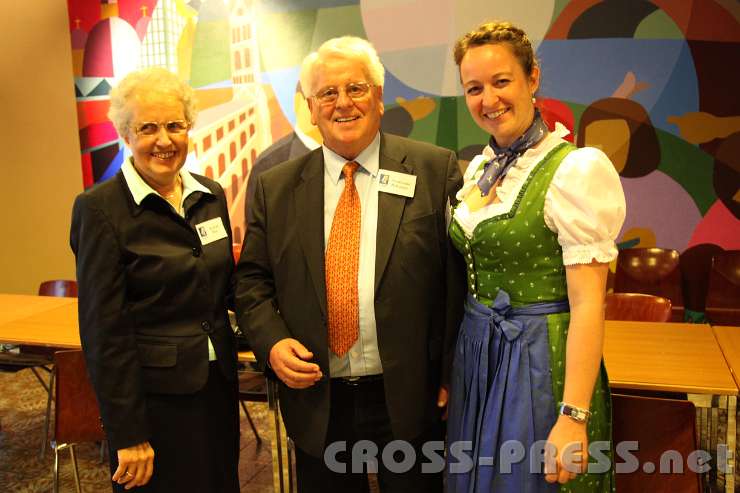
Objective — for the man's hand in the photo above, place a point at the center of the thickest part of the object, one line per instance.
(135, 465)
(442, 398)
(289, 360)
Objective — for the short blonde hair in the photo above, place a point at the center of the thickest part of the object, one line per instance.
(141, 82)
(349, 47)
(498, 32)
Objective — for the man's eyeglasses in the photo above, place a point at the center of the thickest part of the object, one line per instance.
(355, 90)
(174, 127)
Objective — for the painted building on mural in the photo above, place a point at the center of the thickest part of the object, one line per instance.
(227, 138)
(214, 47)
(645, 80)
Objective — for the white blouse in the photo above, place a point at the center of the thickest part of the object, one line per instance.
(584, 204)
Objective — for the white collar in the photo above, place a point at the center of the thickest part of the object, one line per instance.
(141, 189)
(368, 159)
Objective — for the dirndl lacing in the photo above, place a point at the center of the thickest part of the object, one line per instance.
(501, 401)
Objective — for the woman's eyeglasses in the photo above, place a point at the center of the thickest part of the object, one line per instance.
(355, 90)
(174, 127)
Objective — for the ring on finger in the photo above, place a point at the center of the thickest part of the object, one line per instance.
(128, 474)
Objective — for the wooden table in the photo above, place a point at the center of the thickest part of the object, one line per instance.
(676, 357)
(15, 307)
(667, 356)
(39, 321)
(53, 322)
(729, 341)
(638, 355)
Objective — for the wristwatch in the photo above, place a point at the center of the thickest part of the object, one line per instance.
(575, 413)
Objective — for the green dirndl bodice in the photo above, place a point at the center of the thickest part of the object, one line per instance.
(518, 253)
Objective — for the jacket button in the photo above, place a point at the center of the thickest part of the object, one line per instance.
(205, 326)
(196, 252)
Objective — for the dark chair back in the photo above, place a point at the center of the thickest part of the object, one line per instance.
(723, 295)
(658, 425)
(638, 307)
(696, 265)
(651, 271)
(77, 416)
(58, 287)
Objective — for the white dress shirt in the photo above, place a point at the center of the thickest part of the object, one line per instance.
(363, 358)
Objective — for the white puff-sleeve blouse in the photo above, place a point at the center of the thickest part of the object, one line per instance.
(584, 204)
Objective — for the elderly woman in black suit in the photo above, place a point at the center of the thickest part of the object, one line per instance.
(154, 265)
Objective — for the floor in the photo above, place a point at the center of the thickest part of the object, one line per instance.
(22, 406)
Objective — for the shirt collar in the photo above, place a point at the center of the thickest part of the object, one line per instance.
(368, 159)
(141, 189)
(307, 141)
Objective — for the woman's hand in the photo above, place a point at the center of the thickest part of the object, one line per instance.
(135, 465)
(569, 442)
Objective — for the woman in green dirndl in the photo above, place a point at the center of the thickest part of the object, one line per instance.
(536, 222)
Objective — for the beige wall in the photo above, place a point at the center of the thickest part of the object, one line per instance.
(39, 148)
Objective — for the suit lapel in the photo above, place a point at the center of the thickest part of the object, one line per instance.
(390, 207)
(309, 212)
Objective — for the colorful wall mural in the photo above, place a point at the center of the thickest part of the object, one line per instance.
(652, 83)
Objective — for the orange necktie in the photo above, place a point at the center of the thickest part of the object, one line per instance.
(342, 265)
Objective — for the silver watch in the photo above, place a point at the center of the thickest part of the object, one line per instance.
(575, 413)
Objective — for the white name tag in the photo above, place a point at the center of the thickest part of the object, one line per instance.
(396, 183)
(211, 230)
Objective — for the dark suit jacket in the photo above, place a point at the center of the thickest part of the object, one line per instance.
(149, 296)
(419, 284)
(289, 147)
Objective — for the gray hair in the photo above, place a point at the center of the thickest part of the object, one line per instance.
(349, 47)
(154, 79)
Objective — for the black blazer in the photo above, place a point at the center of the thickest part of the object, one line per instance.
(419, 284)
(288, 147)
(149, 296)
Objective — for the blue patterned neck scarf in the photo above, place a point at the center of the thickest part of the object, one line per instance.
(506, 157)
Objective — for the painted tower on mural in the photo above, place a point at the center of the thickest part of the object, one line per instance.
(228, 137)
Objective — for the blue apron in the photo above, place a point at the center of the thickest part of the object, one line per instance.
(501, 396)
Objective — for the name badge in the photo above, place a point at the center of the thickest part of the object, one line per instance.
(396, 183)
(211, 230)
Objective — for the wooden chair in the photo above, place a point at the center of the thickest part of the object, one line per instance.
(651, 271)
(76, 412)
(723, 294)
(637, 306)
(58, 287)
(61, 288)
(38, 358)
(252, 385)
(658, 425)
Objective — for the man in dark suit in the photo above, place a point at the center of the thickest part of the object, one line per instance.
(347, 286)
(289, 147)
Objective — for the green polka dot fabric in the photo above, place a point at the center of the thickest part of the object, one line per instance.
(517, 252)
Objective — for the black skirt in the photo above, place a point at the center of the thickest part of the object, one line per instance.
(195, 438)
